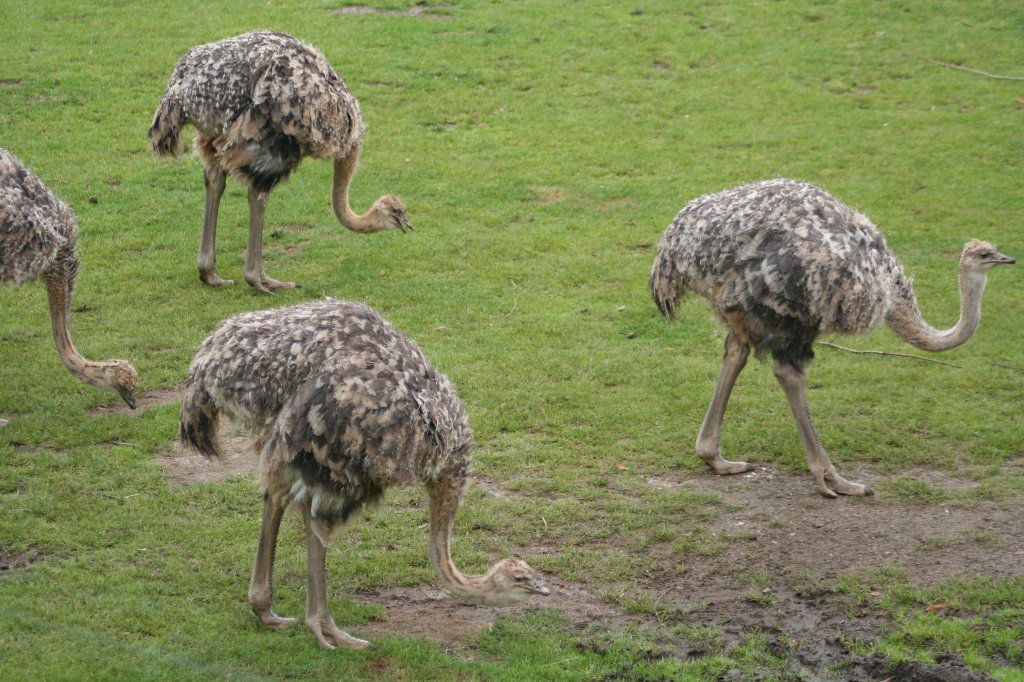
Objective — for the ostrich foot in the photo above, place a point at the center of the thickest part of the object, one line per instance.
(268, 285)
(210, 278)
(831, 484)
(270, 619)
(725, 467)
(331, 637)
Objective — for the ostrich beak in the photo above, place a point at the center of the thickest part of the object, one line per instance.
(405, 224)
(129, 397)
(535, 586)
(1000, 259)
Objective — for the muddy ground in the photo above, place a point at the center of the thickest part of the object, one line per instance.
(803, 542)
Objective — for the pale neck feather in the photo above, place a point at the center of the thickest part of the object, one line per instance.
(478, 589)
(905, 317)
(58, 290)
(344, 169)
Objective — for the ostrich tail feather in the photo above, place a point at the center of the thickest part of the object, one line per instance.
(198, 421)
(165, 132)
(665, 284)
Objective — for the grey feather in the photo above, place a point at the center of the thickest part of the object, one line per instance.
(780, 262)
(261, 101)
(340, 402)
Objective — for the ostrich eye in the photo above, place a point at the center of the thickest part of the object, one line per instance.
(519, 578)
(986, 254)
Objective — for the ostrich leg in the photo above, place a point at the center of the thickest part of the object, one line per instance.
(214, 178)
(709, 438)
(318, 617)
(830, 483)
(261, 587)
(254, 273)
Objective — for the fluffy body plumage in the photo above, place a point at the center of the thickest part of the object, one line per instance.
(261, 102)
(38, 239)
(38, 232)
(781, 262)
(341, 406)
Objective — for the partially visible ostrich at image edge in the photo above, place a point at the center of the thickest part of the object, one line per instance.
(261, 102)
(782, 262)
(341, 406)
(38, 238)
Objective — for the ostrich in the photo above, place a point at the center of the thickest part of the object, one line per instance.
(781, 262)
(340, 406)
(38, 234)
(261, 102)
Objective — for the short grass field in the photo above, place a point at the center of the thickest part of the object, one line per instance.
(541, 149)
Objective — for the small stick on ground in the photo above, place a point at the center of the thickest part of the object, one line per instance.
(968, 69)
(882, 352)
(507, 315)
(1008, 366)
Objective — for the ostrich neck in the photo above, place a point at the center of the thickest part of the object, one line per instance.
(59, 285)
(444, 502)
(905, 317)
(344, 169)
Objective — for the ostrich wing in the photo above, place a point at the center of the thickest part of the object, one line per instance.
(349, 436)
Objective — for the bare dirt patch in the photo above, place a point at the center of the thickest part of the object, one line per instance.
(289, 249)
(185, 467)
(777, 575)
(792, 528)
(11, 563)
(157, 398)
(431, 614)
(790, 546)
(421, 10)
(490, 487)
(35, 450)
(547, 195)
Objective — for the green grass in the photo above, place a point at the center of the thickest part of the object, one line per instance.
(541, 148)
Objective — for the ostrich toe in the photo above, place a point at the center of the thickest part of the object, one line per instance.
(210, 278)
(330, 636)
(833, 485)
(268, 285)
(271, 620)
(725, 467)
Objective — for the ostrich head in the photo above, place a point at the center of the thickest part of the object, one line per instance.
(980, 257)
(510, 581)
(117, 376)
(388, 213)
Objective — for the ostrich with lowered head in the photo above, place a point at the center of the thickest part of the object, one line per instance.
(38, 238)
(261, 102)
(341, 406)
(782, 262)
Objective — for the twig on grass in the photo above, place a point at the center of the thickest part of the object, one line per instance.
(1008, 366)
(515, 302)
(97, 493)
(882, 352)
(968, 69)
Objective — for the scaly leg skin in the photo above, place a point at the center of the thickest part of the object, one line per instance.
(318, 618)
(214, 178)
(830, 483)
(709, 438)
(254, 273)
(261, 586)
